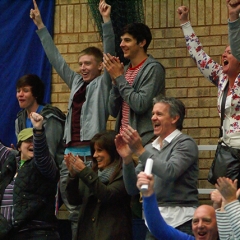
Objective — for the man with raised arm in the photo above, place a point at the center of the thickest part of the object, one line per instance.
(204, 225)
(88, 102)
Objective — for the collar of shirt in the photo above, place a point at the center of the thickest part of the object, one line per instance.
(28, 121)
(166, 140)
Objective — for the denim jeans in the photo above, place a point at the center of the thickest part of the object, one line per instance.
(85, 154)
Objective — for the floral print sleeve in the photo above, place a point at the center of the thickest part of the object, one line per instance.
(209, 68)
(214, 73)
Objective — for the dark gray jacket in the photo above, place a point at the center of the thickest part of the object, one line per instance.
(94, 114)
(149, 82)
(175, 170)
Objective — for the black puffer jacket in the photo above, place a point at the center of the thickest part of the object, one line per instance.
(33, 193)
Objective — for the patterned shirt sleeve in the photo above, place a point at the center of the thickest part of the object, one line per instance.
(207, 66)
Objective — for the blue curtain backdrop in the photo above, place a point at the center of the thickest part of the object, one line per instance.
(21, 53)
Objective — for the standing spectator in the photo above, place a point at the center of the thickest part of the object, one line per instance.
(105, 205)
(28, 185)
(226, 79)
(204, 224)
(88, 102)
(30, 94)
(175, 163)
(135, 85)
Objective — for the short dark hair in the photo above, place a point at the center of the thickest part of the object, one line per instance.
(140, 32)
(96, 52)
(177, 108)
(36, 84)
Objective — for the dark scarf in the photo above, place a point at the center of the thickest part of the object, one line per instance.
(106, 173)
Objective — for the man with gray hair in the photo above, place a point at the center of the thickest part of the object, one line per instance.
(175, 163)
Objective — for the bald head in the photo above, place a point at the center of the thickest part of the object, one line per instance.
(204, 223)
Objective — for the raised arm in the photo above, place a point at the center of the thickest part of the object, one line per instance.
(105, 11)
(108, 46)
(234, 27)
(156, 224)
(233, 9)
(210, 69)
(183, 14)
(43, 159)
(36, 16)
(54, 56)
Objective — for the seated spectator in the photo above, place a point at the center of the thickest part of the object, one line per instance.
(175, 162)
(204, 224)
(228, 214)
(105, 211)
(29, 185)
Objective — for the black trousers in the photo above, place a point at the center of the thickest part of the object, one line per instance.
(36, 235)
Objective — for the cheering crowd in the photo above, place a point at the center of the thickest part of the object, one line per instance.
(98, 172)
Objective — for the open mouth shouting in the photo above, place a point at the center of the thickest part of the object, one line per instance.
(225, 62)
(202, 235)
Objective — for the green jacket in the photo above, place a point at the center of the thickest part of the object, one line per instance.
(105, 209)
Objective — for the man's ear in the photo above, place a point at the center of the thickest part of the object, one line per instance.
(175, 119)
(100, 66)
(142, 43)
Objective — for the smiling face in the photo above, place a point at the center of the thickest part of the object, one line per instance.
(26, 99)
(163, 123)
(102, 157)
(26, 149)
(230, 64)
(130, 47)
(89, 67)
(204, 225)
